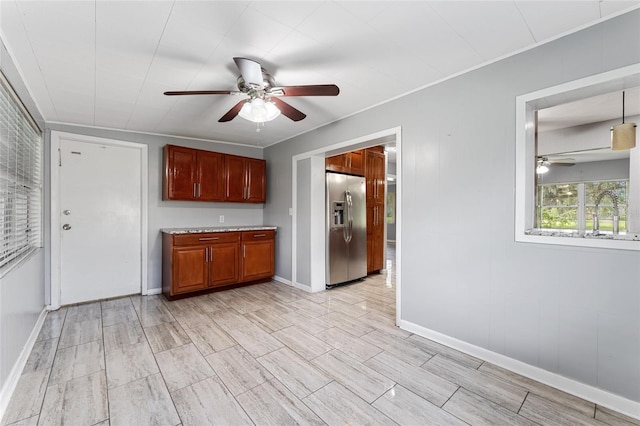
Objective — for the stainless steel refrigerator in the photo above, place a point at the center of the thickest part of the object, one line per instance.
(346, 228)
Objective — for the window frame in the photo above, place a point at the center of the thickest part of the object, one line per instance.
(21, 231)
(525, 155)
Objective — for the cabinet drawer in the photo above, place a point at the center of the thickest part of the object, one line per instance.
(206, 238)
(258, 235)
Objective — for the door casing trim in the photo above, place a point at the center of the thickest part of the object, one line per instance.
(56, 136)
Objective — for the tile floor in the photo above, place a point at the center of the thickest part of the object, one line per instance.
(270, 354)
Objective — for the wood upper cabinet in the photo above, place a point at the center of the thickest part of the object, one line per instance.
(375, 176)
(258, 255)
(193, 174)
(350, 162)
(210, 167)
(245, 179)
(198, 175)
(180, 167)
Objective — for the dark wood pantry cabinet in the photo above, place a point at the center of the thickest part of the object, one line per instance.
(199, 175)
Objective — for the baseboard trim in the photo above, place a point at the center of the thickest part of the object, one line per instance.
(16, 371)
(152, 291)
(282, 280)
(598, 396)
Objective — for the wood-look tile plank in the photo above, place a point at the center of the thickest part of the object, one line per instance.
(351, 325)
(490, 387)
(238, 369)
(183, 366)
(335, 305)
(118, 314)
(122, 334)
(310, 308)
(543, 411)
(229, 319)
(143, 401)
(407, 408)
(268, 320)
(210, 338)
(166, 335)
(272, 404)
(427, 385)
(293, 371)
(476, 410)
(76, 333)
(301, 342)
(52, 326)
(347, 343)
(345, 295)
(153, 313)
(432, 347)
(77, 361)
(31, 421)
(116, 303)
(129, 363)
(209, 303)
(614, 418)
(585, 407)
(308, 323)
(80, 401)
(398, 347)
(337, 405)
(190, 318)
(41, 356)
(27, 397)
(355, 376)
(255, 340)
(84, 312)
(209, 402)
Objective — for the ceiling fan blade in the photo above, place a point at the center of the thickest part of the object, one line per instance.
(288, 111)
(233, 112)
(202, 92)
(311, 90)
(251, 72)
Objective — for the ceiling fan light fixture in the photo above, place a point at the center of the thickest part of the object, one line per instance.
(541, 169)
(259, 111)
(623, 136)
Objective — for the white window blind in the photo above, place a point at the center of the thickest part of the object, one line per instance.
(20, 179)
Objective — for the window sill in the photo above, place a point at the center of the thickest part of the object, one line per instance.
(626, 241)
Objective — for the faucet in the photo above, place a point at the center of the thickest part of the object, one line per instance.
(616, 217)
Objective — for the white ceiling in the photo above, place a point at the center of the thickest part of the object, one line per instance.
(107, 63)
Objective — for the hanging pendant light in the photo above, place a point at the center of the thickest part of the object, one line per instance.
(623, 136)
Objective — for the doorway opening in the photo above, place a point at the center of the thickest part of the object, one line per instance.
(308, 209)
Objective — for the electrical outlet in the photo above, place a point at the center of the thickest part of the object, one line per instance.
(221, 218)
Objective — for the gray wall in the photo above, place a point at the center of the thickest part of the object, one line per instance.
(585, 172)
(303, 230)
(22, 289)
(462, 273)
(170, 214)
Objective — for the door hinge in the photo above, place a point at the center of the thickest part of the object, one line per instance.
(59, 158)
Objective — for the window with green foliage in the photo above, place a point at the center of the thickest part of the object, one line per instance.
(571, 206)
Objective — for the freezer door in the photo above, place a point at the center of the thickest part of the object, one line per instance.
(358, 232)
(337, 258)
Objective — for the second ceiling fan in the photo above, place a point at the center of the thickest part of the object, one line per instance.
(263, 102)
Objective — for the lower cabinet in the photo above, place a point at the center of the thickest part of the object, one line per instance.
(194, 262)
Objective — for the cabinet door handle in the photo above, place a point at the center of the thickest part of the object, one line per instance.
(211, 254)
(259, 235)
(194, 190)
(244, 251)
(199, 190)
(206, 254)
(209, 238)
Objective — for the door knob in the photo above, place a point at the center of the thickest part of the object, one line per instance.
(66, 226)
(66, 212)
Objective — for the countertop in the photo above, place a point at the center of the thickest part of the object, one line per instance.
(200, 230)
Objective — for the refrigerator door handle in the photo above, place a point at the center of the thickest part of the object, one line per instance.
(349, 204)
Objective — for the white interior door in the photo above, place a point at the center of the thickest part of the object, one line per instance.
(100, 219)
